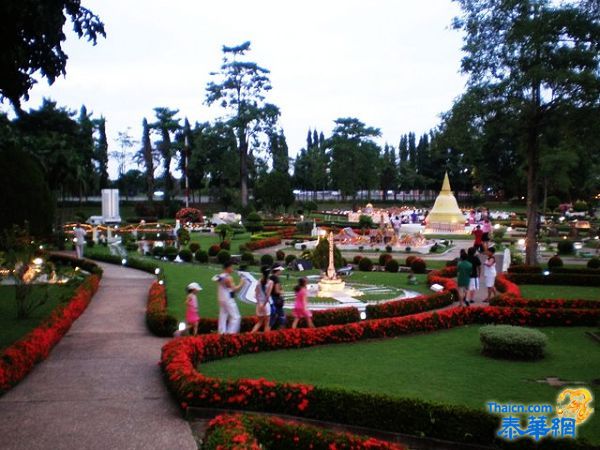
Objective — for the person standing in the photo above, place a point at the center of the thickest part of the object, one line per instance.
(191, 308)
(487, 234)
(478, 234)
(489, 274)
(263, 294)
(301, 310)
(79, 233)
(475, 273)
(463, 271)
(277, 314)
(229, 314)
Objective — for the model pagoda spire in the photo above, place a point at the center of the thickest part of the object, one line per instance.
(445, 215)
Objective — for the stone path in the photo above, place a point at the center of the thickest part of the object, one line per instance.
(101, 387)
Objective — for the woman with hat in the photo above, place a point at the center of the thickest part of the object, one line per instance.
(191, 308)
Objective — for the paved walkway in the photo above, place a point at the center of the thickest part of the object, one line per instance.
(101, 387)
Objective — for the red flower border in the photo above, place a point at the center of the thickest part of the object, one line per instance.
(17, 360)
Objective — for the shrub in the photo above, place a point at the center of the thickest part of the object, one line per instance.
(243, 248)
(418, 265)
(555, 262)
(565, 247)
(304, 227)
(365, 264)
(266, 260)
(392, 266)
(186, 215)
(388, 248)
(580, 206)
(508, 341)
(214, 249)
(289, 258)
(594, 263)
(452, 263)
(223, 256)
(320, 255)
(253, 222)
(158, 251)
(171, 253)
(130, 246)
(225, 245)
(384, 258)
(157, 320)
(263, 243)
(279, 255)
(186, 255)
(365, 221)
(247, 258)
(201, 256)
(183, 236)
(357, 259)
(552, 202)
(194, 247)
(409, 260)
(498, 233)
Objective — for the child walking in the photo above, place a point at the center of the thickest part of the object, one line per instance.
(301, 310)
(191, 311)
(262, 295)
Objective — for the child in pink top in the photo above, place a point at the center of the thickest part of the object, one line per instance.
(301, 310)
(191, 311)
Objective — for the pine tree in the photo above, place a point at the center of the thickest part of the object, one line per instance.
(102, 153)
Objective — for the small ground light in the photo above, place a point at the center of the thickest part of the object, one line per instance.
(77, 269)
(156, 271)
(38, 261)
(363, 315)
(181, 326)
(546, 272)
(123, 261)
(161, 282)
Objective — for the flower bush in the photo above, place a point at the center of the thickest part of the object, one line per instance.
(157, 320)
(242, 431)
(507, 287)
(18, 359)
(397, 308)
(552, 303)
(181, 357)
(189, 215)
(263, 243)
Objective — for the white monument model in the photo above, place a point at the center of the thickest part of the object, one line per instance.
(110, 206)
(330, 282)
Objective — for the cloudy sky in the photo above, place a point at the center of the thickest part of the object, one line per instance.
(393, 64)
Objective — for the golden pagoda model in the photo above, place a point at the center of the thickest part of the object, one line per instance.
(445, 216)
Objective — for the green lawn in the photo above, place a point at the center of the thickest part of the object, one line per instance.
(554, 291)
(444, 366)
(206, 240)
(11, 328)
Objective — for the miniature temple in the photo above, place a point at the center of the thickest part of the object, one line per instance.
(446, 216)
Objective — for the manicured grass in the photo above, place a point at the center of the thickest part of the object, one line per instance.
(444, 366)
(11, 328)
(207, 239)
(554, 291)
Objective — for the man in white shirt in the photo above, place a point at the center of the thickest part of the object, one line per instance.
(79, 233)
(229, 314)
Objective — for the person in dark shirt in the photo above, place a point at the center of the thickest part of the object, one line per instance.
(278, 318)
(475, 273)
(463, 272)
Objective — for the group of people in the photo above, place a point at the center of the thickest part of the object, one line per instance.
(469, 271)
(269, 302)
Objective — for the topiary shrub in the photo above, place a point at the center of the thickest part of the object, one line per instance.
(418, 265)
(508, 341)
(158, 251)
(392, 266)
(223, 256)
(266, 260)
(247, 258)
(194, 247)
(171, 253)
(225, 245)
(214, 249)
(289, 259)
(580, 206)
(565, 247)
(365, 264)
(594, 263)
(357, 259)
(279, 255)
(320, 255)
(384, 258)
(409, 260)
(186, 255)
(253, 222)
(183, 236)
(201, 256)
(552, 202)
(555, 262)
(388, 248)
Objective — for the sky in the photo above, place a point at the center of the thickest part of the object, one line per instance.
(393, 64)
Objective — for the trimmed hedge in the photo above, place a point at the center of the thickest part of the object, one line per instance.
(392, 266)
(223, 256)
(365, 264)
(404, 307)
(201, 256)
(157, 320)
(266, 260)
(418, 265)
(555, 262)
(555, 277)
(186, 255)
(553, 303)
(510, 342)
(171, 253)
(242, 431)
(263, 243)
(214, 249)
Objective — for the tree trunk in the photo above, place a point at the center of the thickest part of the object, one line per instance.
(531, 244)
(243, 171)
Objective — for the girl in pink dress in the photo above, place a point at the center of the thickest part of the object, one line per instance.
(301, 310)
(191, 308)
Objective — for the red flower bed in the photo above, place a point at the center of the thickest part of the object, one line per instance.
(263, 243)
(159, 322)
(237, 431)
(552, 303)
(189, 215)
(413, 305)
(181, 357)
(17, 360)
(507, 287)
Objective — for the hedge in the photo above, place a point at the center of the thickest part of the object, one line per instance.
(243, 431)
(553, 303)
(559, 278)
(181, 357)
(510, 342)
(263, 243)
(18, 359)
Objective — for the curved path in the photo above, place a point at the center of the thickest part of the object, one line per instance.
(101, 387)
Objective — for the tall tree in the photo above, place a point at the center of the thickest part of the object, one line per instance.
(240, 88)
(31, 40)
(86, 148)
(539, 59)
(279, 151)
(146, 156)
(165, 124)
(126, 142)
(101, 153)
